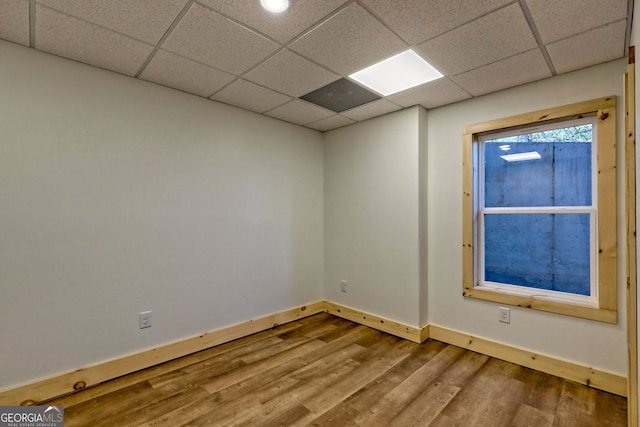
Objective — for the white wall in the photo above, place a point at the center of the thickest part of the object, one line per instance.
(119, 196)
(372, 222)
(375, 208)
(591, 343)
(424, 217)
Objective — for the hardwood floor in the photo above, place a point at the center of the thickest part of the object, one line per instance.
(327, 371)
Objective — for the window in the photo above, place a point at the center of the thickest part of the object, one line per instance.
(539, 220)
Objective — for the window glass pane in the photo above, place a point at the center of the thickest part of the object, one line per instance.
(551, 168)
(543, 251)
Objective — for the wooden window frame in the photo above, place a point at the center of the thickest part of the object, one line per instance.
(606, 310)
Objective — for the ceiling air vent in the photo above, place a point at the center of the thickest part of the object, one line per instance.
(340, 95)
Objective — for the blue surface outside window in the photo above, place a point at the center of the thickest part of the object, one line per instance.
(549, 250)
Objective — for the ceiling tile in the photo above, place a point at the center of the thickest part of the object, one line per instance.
(282, 26)
(559, 19)
(174, 71)
(250, 96)
(419, 20)
(14, 21)
(329, 123)
(290, 73)
(349, 41)
(519, 69)
(480, 42)
(593, 47)
(299, 112)
(481, 46)
(85, 42)
(430, 95)
(370, 110)
(205, 36)
(145, 20)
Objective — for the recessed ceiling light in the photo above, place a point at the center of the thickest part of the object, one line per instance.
(397, 73)
(275, 6)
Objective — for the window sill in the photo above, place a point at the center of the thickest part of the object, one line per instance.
(542, 303)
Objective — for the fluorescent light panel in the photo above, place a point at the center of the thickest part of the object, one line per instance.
(397, 73)
(519, 157)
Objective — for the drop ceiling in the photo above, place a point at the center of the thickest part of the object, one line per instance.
(233, 51)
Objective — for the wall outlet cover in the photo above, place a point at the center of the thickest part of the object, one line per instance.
(145, 319)
(504, 315)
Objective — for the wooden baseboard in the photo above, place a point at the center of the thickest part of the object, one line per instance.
(424, 333)
(401, 330)
(59, 385)
(612, 383)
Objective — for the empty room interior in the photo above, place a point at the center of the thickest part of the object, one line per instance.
(214, 180)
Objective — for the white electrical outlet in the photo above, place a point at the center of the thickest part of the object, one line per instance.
(145, 319)
(504, 315)
(343, 286)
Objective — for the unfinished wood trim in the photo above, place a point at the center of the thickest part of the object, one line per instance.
(607, 381)
(69, 382)
(632, 292)
(536, 303)
(424, 333)
(59, 385)
(567, 111)
(605, 109)
(468, 214)
(392, 327)
(607, 207)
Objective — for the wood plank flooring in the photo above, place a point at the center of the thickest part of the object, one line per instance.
(326, 371)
